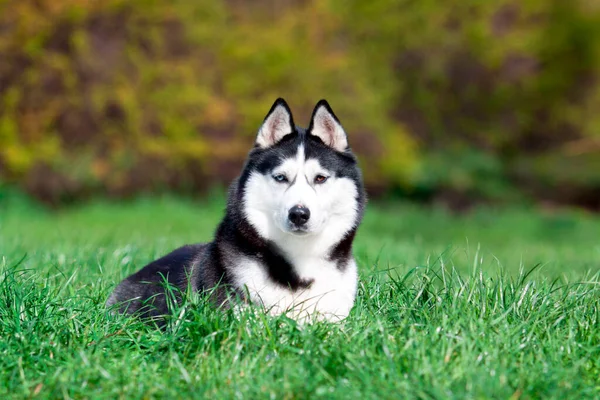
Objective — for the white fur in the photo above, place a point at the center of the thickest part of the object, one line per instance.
(275, 127)
(332, 205)
(330, 297)
(333, 213)
(329, 130)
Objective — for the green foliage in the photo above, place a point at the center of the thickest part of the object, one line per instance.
(134, 95)
(121, 96)
(453, 309)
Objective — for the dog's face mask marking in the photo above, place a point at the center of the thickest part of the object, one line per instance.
(300, 188)
(297, 187)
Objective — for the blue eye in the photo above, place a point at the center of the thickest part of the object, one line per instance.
(280, 178)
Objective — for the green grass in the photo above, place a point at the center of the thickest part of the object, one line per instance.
(494, 304)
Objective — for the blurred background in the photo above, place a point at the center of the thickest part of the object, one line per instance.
(458, 102)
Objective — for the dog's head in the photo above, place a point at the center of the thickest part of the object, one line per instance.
(302, 182)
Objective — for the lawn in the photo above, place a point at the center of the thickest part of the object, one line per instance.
(490, 304)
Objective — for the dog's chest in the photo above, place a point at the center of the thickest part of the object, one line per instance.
(330, 294)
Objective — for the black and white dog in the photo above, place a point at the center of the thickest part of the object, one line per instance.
(286, 240)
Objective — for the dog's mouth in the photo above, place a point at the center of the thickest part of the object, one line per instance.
(298, 230)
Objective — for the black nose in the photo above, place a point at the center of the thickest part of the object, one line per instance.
(299, 215)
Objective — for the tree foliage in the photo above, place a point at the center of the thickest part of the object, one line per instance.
(468, 97)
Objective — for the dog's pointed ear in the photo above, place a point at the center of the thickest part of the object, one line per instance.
(325, 125)
(277, 124)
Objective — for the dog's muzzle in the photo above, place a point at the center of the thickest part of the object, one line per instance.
(299, 216)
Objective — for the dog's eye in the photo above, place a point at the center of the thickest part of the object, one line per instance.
(320, 179)
(280, 178)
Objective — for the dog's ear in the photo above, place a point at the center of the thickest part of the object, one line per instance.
(325, 125)
(277, 124)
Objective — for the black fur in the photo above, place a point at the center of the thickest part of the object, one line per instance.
(203, 267)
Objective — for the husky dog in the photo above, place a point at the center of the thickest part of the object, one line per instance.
(285, 242)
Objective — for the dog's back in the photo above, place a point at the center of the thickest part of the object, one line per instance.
(147, 291)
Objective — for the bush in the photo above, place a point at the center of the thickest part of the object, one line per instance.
(122, 96)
